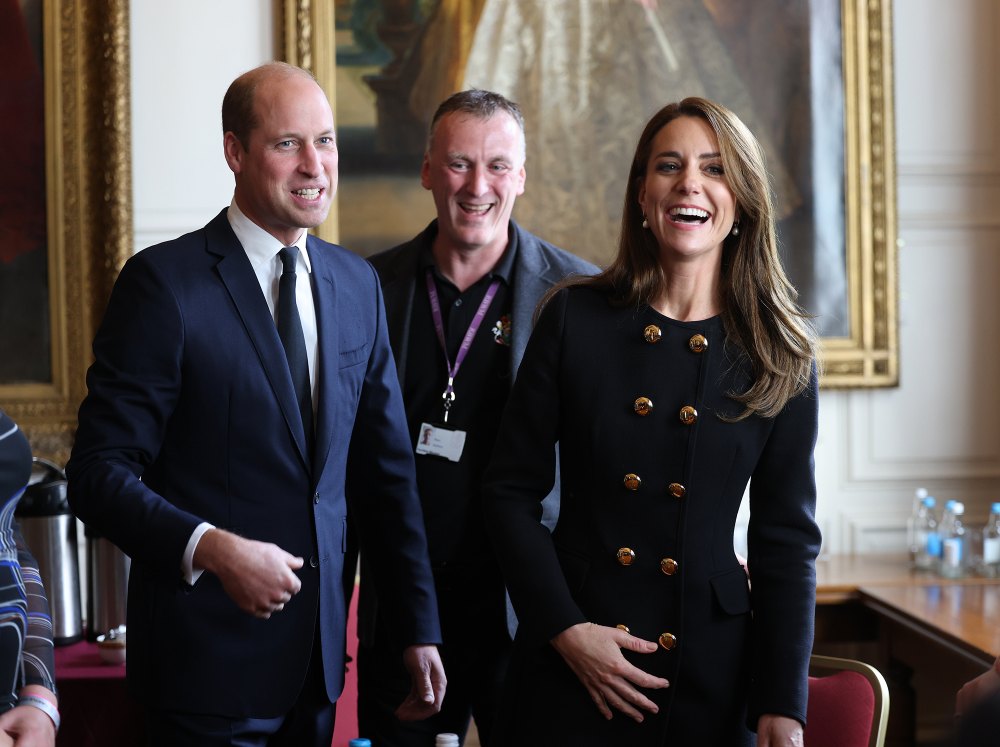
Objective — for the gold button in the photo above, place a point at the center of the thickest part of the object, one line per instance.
(668, 566)
(676, 490)
(668, 640)
(632, 481)
(698, 343)
(625, 555)
(642, 405)
(624, 627)
(652, 333)
(688, 415)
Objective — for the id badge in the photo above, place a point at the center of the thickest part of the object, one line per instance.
(440, 441)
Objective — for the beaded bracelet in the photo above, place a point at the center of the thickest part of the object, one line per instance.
(42, 705)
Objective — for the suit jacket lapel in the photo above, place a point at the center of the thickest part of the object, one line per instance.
(328, 330)
(238, 276)
(531, 281)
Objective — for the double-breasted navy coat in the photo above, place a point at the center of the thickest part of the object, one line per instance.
(652, 481)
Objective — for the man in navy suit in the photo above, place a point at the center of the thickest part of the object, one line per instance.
(224, 481)
(471, 263)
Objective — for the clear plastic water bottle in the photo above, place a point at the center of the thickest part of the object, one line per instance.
(953, 545)
(912, 539)
(990, 565)
(926, 538)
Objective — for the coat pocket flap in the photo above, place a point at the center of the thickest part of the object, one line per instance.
(732, 592)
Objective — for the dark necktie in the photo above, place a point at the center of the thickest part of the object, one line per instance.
(290, 332)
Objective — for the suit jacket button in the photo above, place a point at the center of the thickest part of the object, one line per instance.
(626, 556)
(688, 415)
(642, 406)
(668, 566)
(698, 343)
(676, 490)
(632, 481)
(316, 497)
(668, 640)
(652, 333)
(313, 562)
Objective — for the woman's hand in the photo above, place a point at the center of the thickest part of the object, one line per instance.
(778, 731)
(594, 654)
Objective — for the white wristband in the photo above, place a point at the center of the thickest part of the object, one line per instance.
(42, 705)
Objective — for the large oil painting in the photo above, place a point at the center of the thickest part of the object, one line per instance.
(65, 201)
(24, 337)
(811, 79)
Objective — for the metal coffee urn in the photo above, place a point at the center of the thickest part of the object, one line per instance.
(49, 529)
(107, 584)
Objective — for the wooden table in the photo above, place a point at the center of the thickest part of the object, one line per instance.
(962, 618)
(841, 577)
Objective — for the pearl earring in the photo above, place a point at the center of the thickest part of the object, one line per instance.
(645, 223)
(736, 229)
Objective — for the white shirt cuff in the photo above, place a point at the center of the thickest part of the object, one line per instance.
(188, 571)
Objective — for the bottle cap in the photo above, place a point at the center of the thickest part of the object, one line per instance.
(995, 508)
(949, 505)
(958, 509)
(921, 493)
(930, 502)
(446, 740)
(362, 742)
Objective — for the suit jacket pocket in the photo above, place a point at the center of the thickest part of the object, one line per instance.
(732, 592)
(352, 354)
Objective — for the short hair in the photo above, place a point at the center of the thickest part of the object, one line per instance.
(238, 115)
(476, 103)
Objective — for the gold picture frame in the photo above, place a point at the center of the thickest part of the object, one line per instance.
(867, 354)
(87, 161)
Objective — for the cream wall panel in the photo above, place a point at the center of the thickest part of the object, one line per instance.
(938, 423)
(184, 55)
(948, 202)
(946, 86)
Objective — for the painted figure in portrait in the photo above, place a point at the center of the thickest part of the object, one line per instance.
(588, 73)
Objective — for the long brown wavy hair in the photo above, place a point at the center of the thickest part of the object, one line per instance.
(760, 313)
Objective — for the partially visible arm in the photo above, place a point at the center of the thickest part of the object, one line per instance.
(31, 726)
(37, 656)
(520, 474)
(133, 388)
(976, 690)
(783, 541)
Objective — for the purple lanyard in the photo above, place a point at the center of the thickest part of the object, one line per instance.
(463, 349)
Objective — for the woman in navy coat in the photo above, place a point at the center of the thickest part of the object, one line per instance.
(671, 380)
